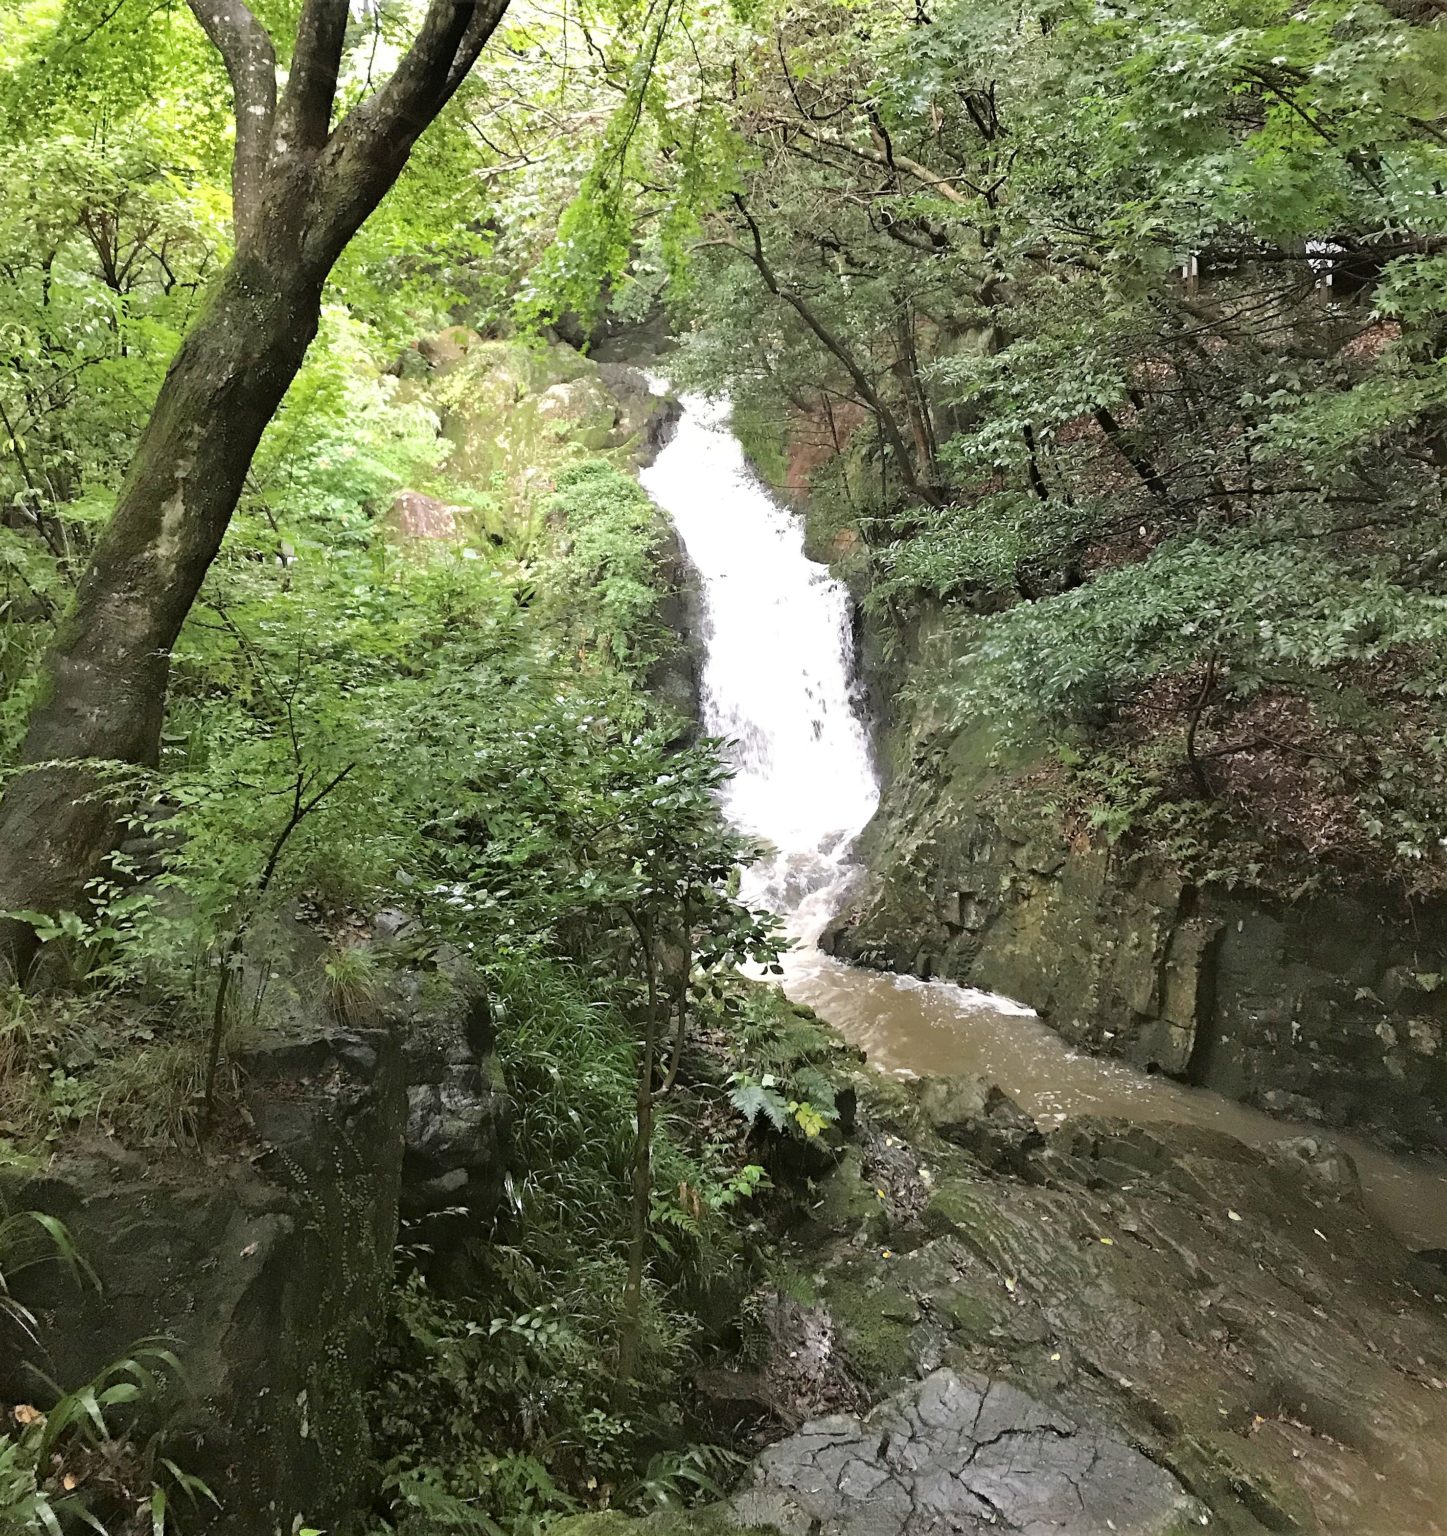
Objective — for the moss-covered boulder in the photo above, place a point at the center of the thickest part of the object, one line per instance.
(265, 1264)
(516, 412)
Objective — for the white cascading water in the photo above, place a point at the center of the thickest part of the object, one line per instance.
(776, 680)
(777, 685)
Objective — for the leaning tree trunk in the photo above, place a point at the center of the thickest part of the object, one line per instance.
(104, 688)
(302, 188)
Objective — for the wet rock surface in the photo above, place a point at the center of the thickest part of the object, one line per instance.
(1234, 1316)
(963, 1454)
(980, 1117)
(264, 1266)
(458, 1113)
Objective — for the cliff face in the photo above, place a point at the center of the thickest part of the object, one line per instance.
(264, 1266)
(1323, 1008)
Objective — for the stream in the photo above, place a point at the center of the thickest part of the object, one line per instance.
(778, 684)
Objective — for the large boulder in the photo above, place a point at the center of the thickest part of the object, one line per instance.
(981, 1117)
(264, 1259)
(264, 1263)
(960, 1455)
(458, 1113)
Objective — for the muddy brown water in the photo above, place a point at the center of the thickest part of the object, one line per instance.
(925, 1029)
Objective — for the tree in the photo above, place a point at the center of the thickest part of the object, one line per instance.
(301, 190)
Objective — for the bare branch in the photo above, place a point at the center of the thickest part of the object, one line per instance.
(246, 48)
(892, 160)
(837, 347)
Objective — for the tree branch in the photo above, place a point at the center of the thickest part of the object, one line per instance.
(369, 147)
(1149, 475)
(246, 49)
(311, 86)
(892, 161)
(835, 345)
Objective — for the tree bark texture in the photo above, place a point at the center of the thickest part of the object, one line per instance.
(105, 678)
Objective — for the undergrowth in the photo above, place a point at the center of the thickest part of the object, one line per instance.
(498, 1402)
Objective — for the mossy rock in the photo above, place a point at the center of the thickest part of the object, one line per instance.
(1247, 1486)
(848, 1203)
(963, 1207)
(517, 412)
(875, 1316)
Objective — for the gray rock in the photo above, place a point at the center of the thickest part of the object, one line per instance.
(265, 1265)
(1322, 1160)
(962, 1454)
(978, 1115)
(457, 1107)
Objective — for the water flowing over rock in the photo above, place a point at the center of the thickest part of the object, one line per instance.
(777, 681)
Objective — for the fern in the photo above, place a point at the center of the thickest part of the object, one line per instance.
(753, 1099)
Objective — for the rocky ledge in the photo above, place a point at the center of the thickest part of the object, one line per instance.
(963, 1454)
(264, 1259)
(976, 1326)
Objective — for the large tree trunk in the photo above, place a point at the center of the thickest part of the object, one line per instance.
(104, 687)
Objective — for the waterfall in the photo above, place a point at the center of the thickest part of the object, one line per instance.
(777, 685)
(777, 681)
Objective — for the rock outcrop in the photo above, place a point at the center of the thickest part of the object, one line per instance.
(1326, 1007)
(265, 1259)
(962, 1454)
(515, 413)
(974, 1328)
(264, 1266)
(1233, 1315)
(1315, 1009)
(458, 1112)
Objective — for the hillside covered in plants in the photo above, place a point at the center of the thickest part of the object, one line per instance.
(405, 1124)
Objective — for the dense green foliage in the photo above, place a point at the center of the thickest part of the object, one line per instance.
(453, 729)
(1031, 299)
